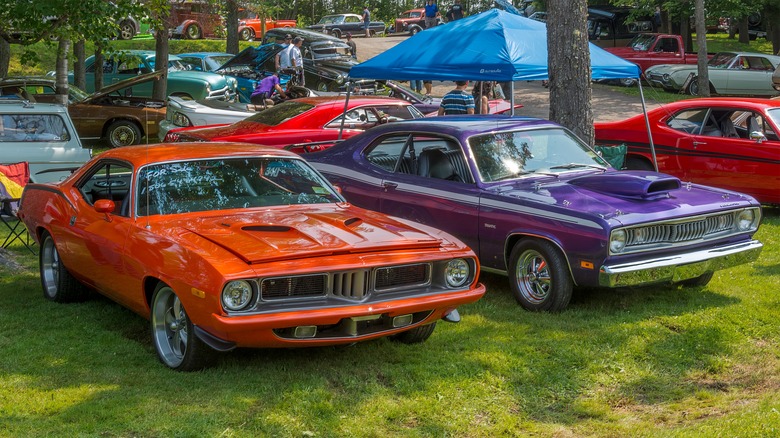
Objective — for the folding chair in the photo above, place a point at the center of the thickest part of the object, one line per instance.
(13, 178)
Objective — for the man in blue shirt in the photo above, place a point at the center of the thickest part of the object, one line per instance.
(431, 14)
(366, 20)
(457, 101)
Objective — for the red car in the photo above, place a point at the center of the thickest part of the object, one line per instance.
(303, 125)
(223, 246)
(731, 143)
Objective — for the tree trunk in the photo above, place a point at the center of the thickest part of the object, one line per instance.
(701, 42)
(231, 26)
(744, 35)
(569, 66)
(160, 89)
(79, 74)
(61, 72)
(773, 29)
(99, 61)
(5, 57)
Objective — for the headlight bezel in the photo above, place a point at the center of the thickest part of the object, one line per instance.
(457, 273)
(245, 298)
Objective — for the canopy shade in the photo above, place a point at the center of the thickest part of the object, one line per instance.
(491, 46)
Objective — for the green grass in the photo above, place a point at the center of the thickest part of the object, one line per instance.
(648, 362)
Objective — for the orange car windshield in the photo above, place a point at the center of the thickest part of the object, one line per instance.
(229, 183)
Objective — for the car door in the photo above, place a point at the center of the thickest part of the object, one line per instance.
(752, 77)
(351, 24)
(448, 202)
(95, 241)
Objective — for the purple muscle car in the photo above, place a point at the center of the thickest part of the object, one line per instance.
(538, 205)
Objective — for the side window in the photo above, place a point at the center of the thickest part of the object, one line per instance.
(192, 64)
(111, 181)
(689, 121)
(425, 156)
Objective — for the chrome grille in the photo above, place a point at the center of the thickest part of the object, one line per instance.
(401, 276)
(681, 231)
(293, 287)
(352, 284)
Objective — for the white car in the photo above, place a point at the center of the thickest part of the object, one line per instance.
(41, 134)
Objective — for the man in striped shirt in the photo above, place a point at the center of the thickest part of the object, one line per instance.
(457, 101)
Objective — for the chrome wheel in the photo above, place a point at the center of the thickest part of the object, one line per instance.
(126, 31)
(173, 334)
(247, 35)
(170, 327)
(192, 32)
(50, 268)
(123, 133)
(533, 277)
(57, 283)
(539, 276)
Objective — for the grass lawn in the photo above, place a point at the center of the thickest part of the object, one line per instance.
(653, 362)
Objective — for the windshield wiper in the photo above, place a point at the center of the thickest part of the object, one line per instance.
(577, 165)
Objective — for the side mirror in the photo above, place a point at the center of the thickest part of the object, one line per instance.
(106, 206)
(758, 136)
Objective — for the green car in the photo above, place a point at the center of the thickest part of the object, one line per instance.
(182, 82)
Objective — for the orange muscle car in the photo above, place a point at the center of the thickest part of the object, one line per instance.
(230, 245)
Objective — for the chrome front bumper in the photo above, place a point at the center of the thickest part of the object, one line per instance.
(680, 267)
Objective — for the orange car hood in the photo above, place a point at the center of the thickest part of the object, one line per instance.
(266, 236)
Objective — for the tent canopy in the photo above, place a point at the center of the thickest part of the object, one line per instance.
(491, 46)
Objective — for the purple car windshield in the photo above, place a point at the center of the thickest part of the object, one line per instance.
(508, 155)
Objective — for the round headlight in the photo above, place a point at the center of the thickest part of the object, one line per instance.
(666, 77)
(617, 241)
(457, 272)
(745, 220)
(180, 119)
(236, 295)
(208, 88)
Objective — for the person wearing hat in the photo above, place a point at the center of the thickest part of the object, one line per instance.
(279, 55)
(366, 20)
(352, 46)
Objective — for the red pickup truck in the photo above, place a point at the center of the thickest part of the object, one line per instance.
(648, 49)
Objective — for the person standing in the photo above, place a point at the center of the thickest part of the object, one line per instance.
(352, 46)
(431, 14)
(457, 101)
(278, 62)
(366, 20)
(265, 89)
(455, 12)
(296, 60)
(657, 21)
(416, 85)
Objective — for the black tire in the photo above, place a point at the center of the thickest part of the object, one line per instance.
(247, 34)
(126, 31)
(693, 87)
(628, 82)
(699, 281)
(58, 284)
(123, 133)
(415, 335)
(413, 31)
(336, 33)
(193, 32)
(173, 334)
(637, 163)
(322, 86)
(539, 276)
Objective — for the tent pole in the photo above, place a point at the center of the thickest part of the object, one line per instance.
(647, 124)
(512, 97)
(346, 105)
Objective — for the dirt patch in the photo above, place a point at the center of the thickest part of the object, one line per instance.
(609, 103)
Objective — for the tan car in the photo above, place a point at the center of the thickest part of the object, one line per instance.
(112, 114)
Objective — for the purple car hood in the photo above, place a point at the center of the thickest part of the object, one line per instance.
(288, 233)
(629, 196)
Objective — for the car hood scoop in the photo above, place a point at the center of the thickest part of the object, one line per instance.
(265, 237)
(636, 185)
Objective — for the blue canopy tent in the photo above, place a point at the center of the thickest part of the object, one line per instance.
(492, 46)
